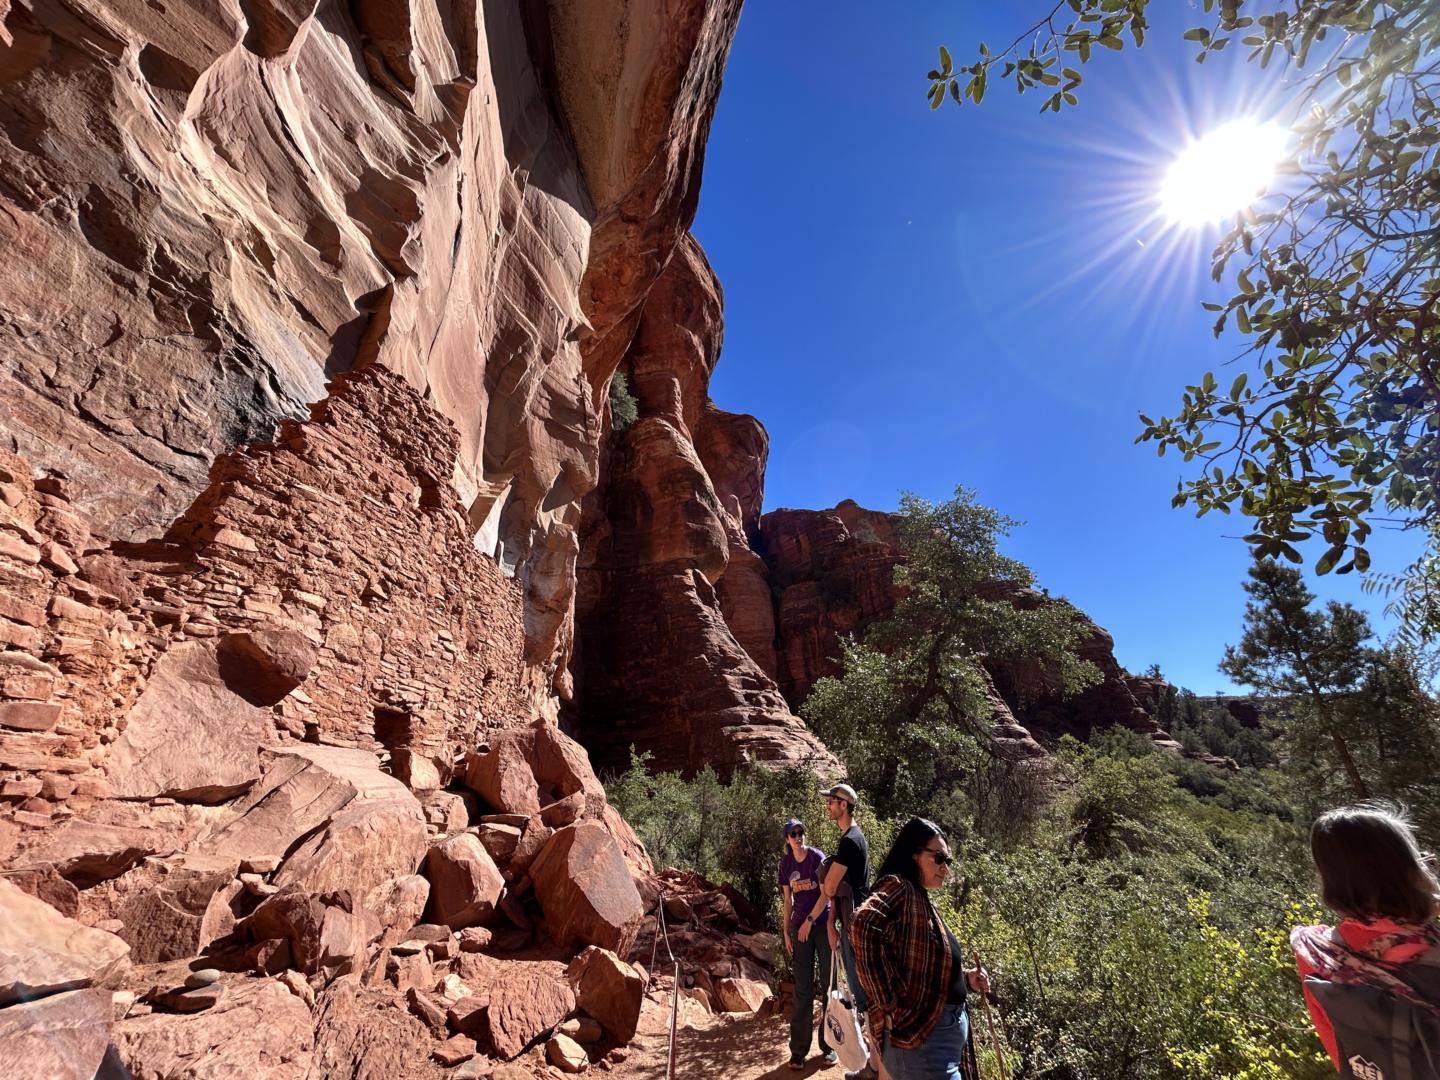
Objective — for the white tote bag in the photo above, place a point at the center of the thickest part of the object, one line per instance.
(842, 1023)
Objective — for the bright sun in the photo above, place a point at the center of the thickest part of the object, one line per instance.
(1222, 172)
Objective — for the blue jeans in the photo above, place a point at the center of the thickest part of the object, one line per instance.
(939, 1056)
(807, 957)
(847, 957)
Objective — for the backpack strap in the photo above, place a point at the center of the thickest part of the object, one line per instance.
(1402, 1024)
(1419, 1040)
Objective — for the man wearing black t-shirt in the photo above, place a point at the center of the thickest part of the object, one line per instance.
(847, 883)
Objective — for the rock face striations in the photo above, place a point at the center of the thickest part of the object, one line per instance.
(209, 216)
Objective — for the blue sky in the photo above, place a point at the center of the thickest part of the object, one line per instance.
(916, 300)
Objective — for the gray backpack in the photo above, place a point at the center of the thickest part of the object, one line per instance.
(1381, 1035)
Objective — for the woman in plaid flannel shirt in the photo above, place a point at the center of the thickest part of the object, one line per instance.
(911, 966)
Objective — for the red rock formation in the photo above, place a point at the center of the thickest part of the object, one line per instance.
(240, 668)
(317, 537)
(661, 667)
(223, 211)
(1109, 703)
(238, 661)
(833, 575)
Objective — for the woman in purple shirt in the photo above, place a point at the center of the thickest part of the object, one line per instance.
(800, 884)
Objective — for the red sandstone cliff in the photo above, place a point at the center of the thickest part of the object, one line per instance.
(672, 598)
(306, 328)
(207, 216)
(833, 575)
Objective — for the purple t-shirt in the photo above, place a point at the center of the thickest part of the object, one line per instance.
(803, 877)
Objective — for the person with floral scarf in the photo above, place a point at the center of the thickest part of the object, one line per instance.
(1372, 982)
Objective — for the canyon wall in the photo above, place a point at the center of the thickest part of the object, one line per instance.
(307, 327)
(672, 597)
(210, 213)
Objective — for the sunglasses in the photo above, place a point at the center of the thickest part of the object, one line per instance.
(796, 832)
(941, 858)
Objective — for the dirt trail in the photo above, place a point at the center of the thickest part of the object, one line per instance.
(725, 1047)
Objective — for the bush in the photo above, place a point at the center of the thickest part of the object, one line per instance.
(1141, 933)
(728, 831)
(1134, 930)
(624, 409)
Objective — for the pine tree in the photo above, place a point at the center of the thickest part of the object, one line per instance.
(1292, 651)
(915, 701)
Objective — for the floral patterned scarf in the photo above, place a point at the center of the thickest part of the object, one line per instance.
(1375, 963)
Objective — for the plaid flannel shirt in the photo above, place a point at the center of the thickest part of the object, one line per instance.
(902, 958)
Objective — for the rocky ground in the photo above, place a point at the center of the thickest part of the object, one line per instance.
(739, 1047)
(286, 934)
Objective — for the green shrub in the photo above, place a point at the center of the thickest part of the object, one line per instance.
(624, 409)
(729, 831)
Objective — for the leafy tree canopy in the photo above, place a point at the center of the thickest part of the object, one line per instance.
(1334, 424)
(915, 700)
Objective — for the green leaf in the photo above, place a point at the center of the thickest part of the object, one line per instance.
(946, 65)
(1327, 561)
(1238, 385)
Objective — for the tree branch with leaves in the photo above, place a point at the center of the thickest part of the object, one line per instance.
(1332, 425)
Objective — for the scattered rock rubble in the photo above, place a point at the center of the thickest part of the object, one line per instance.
(316, 921)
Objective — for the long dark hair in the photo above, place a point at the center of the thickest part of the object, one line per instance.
(1370, 864)
(915, 835)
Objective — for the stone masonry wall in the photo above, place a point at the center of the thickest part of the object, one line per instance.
(345, 531)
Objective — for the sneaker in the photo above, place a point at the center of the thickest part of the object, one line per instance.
(797, 1064)
(867, 1073)
(830, 1057)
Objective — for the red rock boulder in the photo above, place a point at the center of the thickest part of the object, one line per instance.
(257, 1028)
(263, 666)
(324, 932)
(465, 883)
(609, 989)
(527, 770)
(42, 951)
(60, 1037)
(525, 1002)
(189, 736)
(585, 890)
(376, 837)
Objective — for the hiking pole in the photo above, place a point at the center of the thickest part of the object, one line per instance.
(674, 1018)
(674, 989)
(990, 1024)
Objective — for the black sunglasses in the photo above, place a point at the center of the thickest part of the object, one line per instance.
(941, 858)
(796, 832)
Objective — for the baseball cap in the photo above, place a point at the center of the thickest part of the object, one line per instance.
(843, 791)
(793, 823)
